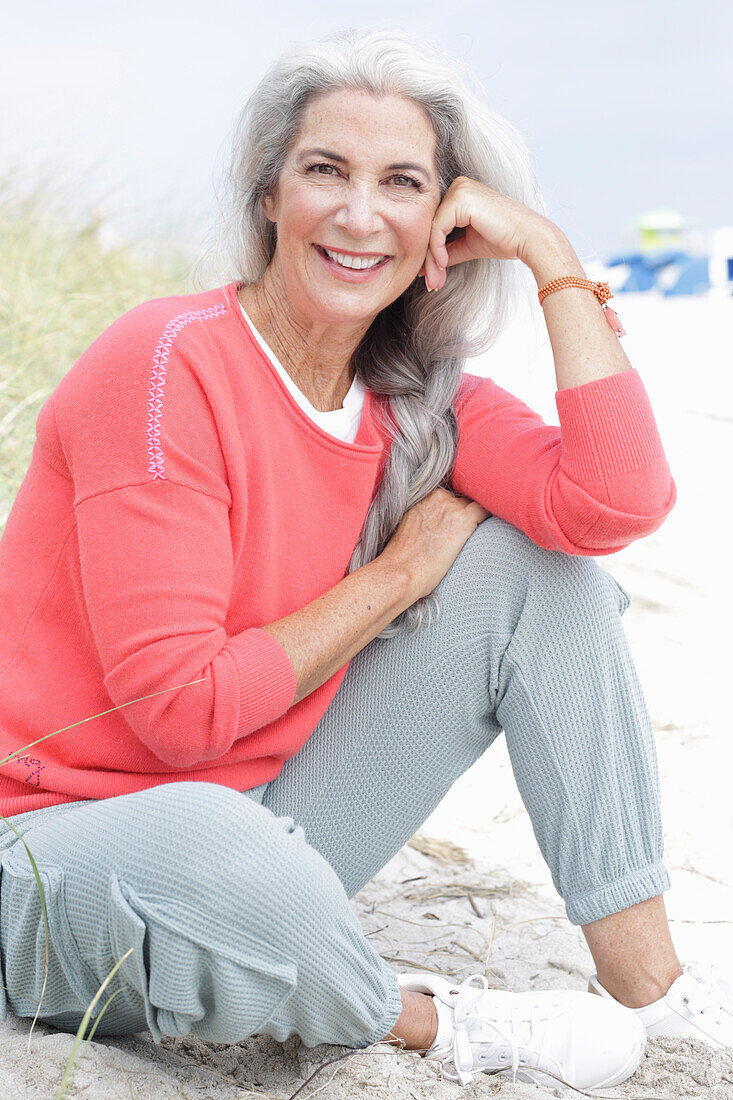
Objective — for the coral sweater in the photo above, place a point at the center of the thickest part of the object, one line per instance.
(178, 498)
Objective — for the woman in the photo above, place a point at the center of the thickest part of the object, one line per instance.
(310, 560)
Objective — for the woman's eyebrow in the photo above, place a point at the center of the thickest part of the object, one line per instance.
(343, 160)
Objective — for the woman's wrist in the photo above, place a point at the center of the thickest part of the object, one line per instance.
(549, 254)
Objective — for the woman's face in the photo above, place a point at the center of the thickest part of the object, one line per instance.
(359, 180)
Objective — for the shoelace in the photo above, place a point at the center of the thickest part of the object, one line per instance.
(710, 972)
(469, 1027)
(709, 993)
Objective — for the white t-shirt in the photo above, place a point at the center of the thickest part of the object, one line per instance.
(342, 423)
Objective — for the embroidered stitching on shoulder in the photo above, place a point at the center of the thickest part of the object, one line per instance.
(157, 379)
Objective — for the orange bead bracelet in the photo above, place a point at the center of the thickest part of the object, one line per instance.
(602, 292)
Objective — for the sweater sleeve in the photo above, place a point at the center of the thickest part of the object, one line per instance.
(589, 487)
(156, 563)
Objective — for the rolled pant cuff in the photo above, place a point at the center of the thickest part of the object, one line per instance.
(392, 1013)
(646, 882)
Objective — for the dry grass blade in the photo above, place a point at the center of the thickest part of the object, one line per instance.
(85, 1020)
(259, 1093)
(475, 907)
(454, 890)
(351, 1054)
(462, 947)
(438, 848)
(39, 884)
(17, 752)
(414, 965)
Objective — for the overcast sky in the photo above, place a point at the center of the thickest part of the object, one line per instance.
(625, 107)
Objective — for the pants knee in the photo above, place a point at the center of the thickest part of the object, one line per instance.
(491, 576)
(256, 918)
(499, 570)
(218, 842)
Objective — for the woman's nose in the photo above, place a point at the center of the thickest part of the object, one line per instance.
(359, 212)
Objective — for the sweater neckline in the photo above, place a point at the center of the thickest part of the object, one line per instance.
(353, 402)
(368, 441)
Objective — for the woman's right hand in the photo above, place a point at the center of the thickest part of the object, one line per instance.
(429, 538)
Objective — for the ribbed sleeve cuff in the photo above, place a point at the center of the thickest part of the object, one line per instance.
(608, 427)
(267, 681)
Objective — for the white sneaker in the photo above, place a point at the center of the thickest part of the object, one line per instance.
(699, 1004)
(561, 1031)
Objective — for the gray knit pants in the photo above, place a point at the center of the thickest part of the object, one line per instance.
(237, 904)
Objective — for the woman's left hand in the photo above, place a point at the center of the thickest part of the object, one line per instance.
(497, 227)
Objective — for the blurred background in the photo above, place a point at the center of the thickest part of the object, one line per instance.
(130, 104)
(113, 132)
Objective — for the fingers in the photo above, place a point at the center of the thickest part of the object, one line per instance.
(454, 211)
(439, 255)
(459, 251)
(437, 252)
(433, 269)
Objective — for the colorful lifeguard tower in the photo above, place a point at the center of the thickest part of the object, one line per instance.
(670, 257)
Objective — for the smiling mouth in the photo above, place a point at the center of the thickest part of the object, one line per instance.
(354, 261)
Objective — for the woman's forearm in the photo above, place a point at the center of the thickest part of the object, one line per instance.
(322, 636)
(584, 345)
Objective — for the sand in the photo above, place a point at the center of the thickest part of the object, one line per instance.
(473, 878)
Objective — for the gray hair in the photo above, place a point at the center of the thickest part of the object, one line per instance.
(413, 355)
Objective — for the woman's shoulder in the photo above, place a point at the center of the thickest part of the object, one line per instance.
(126, 407)
(162, 319)
(139, 343)
(149, 353)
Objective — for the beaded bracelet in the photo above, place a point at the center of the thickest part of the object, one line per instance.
(602, 292)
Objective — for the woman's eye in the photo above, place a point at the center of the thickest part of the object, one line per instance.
(316, 168)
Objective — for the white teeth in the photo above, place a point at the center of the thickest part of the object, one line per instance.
(354, 261)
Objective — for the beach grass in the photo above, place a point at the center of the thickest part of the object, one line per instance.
(59, 289)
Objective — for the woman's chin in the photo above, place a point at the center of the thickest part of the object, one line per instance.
(344, 308)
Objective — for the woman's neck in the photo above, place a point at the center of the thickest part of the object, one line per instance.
(320, 368)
